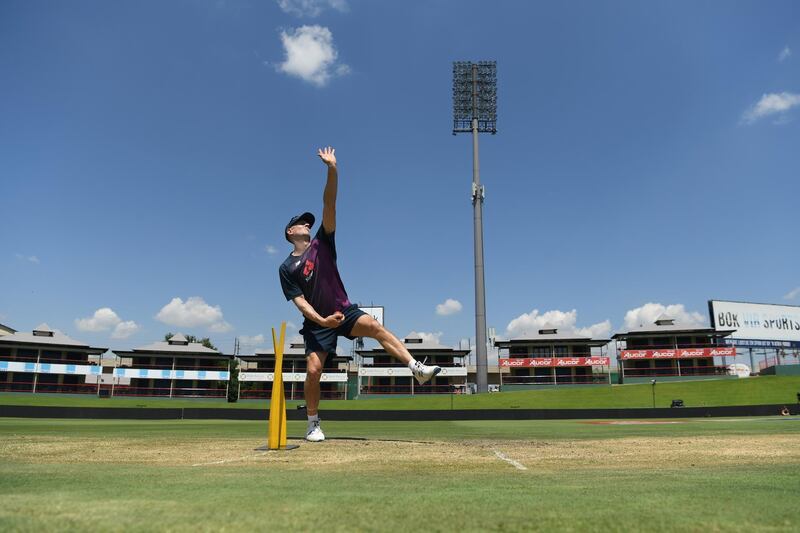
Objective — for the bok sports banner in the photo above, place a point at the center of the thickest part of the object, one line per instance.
(555, 362)
(679, 353)
(751, 321)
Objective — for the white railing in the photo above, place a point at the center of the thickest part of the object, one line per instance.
(401, 371)
(50, 368)
(331, 377)
(192, 375)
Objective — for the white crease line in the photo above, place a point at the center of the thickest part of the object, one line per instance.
(229, 460)
(518, 466)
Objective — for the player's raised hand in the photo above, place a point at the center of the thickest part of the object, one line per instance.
(328, 156)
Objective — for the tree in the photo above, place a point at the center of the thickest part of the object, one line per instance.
(205, 341)
(233, 382)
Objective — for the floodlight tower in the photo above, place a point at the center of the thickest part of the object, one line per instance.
(475, 110)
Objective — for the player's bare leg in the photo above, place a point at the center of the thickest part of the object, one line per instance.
(366, 326)
(315, 361)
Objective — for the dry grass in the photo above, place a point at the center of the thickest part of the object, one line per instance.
(373, 455)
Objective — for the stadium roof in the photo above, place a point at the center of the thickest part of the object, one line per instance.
(665, 325)
(42, 335)
(177, 345)
(550, 335)
(295, 351)
(414, 343)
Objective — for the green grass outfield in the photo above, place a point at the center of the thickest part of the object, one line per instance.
(749, 391)
(677, 475)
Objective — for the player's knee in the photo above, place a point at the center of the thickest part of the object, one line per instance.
(376, 330)
(314, 372)
(314, 369)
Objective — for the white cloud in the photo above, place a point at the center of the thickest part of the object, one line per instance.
(596, 331)
(427, 337)
(771, 104)
(311, 8)
(449, 307)
(531, 323)
(105, 319)
(251, 341)
(102, 320)
(311, 55)
(785, 54)
(192, 313)
(649, 312)
(123, 330)
(792, 294)
(28, 258)
(220, 327)
(271, 250)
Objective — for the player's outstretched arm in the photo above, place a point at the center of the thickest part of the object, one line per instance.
(310, 313)
(328, 156)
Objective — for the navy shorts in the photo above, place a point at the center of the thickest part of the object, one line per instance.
(320, 339)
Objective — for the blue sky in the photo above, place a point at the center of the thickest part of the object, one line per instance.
(151, 152)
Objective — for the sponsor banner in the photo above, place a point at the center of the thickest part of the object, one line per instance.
(533, 362)
(403, 371)
(756, 321)
(191, 375)
(327, 377)
(752, 343)
(679, 353)
(50, 368)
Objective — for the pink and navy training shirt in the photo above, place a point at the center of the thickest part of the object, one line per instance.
(315, 276)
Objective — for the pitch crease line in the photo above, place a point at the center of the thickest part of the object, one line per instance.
(502, 456)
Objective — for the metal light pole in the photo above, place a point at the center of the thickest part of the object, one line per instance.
(475, 111)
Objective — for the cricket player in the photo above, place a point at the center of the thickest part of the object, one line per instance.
(310, 279)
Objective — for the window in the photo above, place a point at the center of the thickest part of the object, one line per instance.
(541, 351)
(26, 355)
(636, 344)
(684, 341)
(518, 351)
(580, 350)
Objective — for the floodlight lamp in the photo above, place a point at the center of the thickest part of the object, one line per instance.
(474, 96)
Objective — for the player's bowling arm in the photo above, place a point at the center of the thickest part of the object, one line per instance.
(310, 313)
(329, 196)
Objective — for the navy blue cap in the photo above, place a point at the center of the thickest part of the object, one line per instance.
(305, 217)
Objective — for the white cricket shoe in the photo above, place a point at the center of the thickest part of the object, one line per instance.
(314, 433)
(423, 372)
